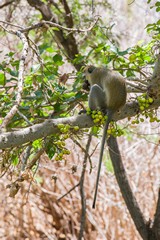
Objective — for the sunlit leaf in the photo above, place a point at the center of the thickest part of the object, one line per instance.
(2, 78)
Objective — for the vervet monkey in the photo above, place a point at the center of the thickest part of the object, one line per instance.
(108, 94)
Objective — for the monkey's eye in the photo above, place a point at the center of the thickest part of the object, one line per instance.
(91, 69)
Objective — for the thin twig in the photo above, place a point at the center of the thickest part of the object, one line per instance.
(52, 24)
(84, 150)
(68, 191)
(135, 79)
(137, 86)
(25, 118)
(83, 199)
(6, 30)
(25, 157)
(11, 24)
(35, 158)
(36, 51)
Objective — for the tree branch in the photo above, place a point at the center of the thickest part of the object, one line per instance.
(126, 190)
(8, 2)
(51, 24)
(68, 14)
(156, 223)
(154, 87)
(83, 199)
(69, 43)
(49, 127)
(14, 109)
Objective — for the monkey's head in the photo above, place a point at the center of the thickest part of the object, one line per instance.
(87, 78)
(88, 71)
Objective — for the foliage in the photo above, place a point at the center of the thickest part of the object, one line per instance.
(50, 90)
(48, 93)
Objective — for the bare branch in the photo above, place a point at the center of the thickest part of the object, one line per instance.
(35, 158)
(68, 191)
(51, 24)
(25, 157)
(135, 79)
(132, 87)
(14, 109)
(83, 199)
(25, 118)
(11, 24)
(84, 150)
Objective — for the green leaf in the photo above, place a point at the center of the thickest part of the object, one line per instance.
(57, 58)
(158, 9)
(158, 22)
(95, 130)
(50, 150)
(157, 4)
(2, 79)
(38, 93)
(15, 160)
(43, 47)
(15, 63)
(122, 53)
(50, 50)
(1, 67)
(130, 73)
(14, 73)
(10, 54)
(132, 57)
(37, 144)
(55, 29)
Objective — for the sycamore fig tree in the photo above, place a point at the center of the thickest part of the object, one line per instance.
(41, 79)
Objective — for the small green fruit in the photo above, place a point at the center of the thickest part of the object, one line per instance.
(76, 128)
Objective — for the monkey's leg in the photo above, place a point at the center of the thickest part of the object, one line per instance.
(97, 98)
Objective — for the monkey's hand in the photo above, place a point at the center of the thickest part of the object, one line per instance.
(86, 85)
(82, 111)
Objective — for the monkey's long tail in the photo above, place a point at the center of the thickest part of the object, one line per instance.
(109, 115)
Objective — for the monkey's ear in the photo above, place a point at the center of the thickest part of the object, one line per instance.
(91, 69)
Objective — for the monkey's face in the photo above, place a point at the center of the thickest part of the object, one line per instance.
(88, 73)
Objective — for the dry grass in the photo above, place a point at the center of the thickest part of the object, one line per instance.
(40, 216)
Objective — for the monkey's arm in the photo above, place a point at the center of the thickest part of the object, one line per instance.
(97, 98)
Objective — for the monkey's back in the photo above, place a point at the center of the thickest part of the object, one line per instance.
(114, 83)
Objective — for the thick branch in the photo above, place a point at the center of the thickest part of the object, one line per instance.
(154, 87)
(125, 188)
(6, 3)
(68, 14)
(29, 134)
(156, 224)
(69, 43)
